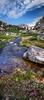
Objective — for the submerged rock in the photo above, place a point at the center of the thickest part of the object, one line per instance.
(35, 54)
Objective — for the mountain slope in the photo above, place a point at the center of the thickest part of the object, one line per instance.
(40, 25)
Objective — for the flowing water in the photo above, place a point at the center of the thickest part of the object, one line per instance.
(12, 57)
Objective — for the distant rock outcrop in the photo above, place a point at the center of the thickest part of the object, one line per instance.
(40, 25)
(9, 27)
(35, 54)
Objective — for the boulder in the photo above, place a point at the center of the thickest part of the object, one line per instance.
(35, 54)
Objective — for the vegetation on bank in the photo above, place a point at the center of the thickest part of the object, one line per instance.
(28, 39)
(21, 85)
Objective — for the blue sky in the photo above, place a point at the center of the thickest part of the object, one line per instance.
(21, 11)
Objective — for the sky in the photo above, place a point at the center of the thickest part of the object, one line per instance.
(21, 11)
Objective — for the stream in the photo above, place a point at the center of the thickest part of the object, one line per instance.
(11, 57)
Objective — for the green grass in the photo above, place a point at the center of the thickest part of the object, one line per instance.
(28, 39)
(4, 39)
(20, 76)
(13, 30)
(32, 39)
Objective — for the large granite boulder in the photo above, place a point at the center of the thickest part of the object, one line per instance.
(35, 54)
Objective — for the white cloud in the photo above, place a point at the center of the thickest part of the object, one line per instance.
(26, 1)
(16, 8)
(34, 21)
